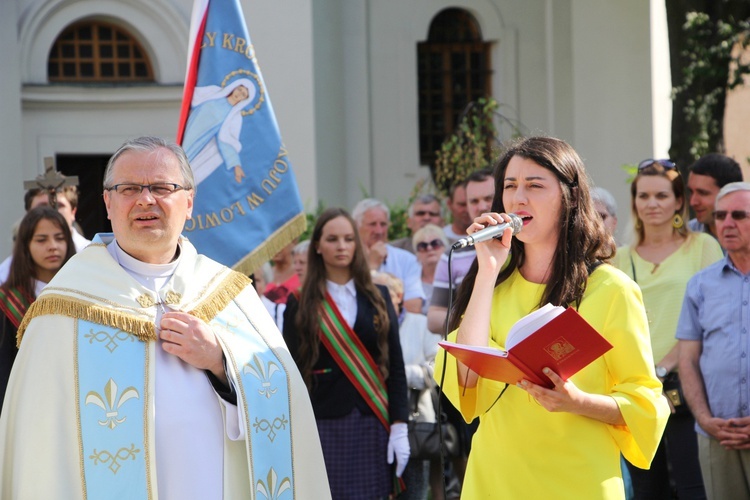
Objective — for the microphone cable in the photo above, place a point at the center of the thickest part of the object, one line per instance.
(439, 409)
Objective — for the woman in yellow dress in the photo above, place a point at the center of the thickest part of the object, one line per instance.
(564, 442)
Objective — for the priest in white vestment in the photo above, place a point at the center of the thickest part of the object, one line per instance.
(146, 370)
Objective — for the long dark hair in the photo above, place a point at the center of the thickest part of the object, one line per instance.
(23, 269)
(582, 239)
(313, 292)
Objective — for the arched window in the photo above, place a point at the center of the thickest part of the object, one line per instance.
(453, 70)
(95, 51)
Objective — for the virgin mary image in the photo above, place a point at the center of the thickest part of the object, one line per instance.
(212, 134)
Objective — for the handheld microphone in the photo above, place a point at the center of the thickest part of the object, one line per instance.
(516, 223)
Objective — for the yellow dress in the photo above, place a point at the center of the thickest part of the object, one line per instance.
(521, 450)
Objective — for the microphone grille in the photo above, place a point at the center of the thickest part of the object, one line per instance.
(516, 223)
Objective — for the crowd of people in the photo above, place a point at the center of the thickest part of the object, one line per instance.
(139, 341)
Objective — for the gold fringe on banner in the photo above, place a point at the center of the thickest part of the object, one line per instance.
(51, 304)
(273, 245)
(223, 294)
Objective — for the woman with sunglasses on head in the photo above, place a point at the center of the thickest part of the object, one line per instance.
(663, 257)
(429, 243)
(563, 442)
(43, 244)
(342, 332)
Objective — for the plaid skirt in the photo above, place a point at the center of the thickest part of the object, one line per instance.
(355, 451)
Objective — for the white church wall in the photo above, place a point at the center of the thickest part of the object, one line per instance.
(75, 119)
(612, 92)
(11, 135)
(342, 75)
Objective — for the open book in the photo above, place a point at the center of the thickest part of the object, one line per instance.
(552, 336)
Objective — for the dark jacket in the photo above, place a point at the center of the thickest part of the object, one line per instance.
(332, 394)
(8, 353)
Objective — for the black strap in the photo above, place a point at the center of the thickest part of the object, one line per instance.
(591, 266)
(632, 265)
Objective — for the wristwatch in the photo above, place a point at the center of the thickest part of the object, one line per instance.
(661, 372)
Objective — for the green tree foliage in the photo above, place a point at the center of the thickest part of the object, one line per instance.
(703, 37)
(470, 147)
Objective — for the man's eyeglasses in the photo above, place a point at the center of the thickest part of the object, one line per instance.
(734, 214)
(157, 190)
(423, 246)
(666, 164)
(422, 213)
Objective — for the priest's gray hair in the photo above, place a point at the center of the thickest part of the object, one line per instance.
(149, 144)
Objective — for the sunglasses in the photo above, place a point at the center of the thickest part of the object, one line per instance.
(666, 164)
(734, 214)
(423, 246)
(422, 213)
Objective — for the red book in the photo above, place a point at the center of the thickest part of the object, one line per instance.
(552, 337)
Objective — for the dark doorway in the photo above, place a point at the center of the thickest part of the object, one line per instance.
(91, 215)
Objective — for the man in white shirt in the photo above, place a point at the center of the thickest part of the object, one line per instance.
(160, 372)
(373, 217)
(67, 205)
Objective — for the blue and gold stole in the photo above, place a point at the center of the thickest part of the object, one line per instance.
(115, 410)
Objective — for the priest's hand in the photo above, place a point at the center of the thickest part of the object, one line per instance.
(192, 340)
(398, 446)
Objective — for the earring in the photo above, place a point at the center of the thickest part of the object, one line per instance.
(638, 224)
(677, 222)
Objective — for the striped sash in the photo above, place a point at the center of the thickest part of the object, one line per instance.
(352, 356)
(14, 304)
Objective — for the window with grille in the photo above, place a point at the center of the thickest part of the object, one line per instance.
(453, 70)
(94, 51)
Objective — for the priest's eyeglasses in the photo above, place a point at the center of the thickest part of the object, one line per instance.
(157, 190)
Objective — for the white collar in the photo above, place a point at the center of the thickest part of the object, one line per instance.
(38, 286)
(348, 287)
(134, 265)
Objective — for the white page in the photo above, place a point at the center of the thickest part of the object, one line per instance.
(531, 323)
(492, 351)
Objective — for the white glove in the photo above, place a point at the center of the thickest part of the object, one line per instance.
(398, 446)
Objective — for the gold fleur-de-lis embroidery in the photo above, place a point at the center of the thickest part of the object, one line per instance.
(111, 403)
(263, 425)
(262, 372)
(172, 297)
(146, 300)
(272, 488)
(104, 336)
(105, 456)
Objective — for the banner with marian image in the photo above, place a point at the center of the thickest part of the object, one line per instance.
(247, 205)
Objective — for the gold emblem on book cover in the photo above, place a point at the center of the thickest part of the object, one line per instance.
(559, 349)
